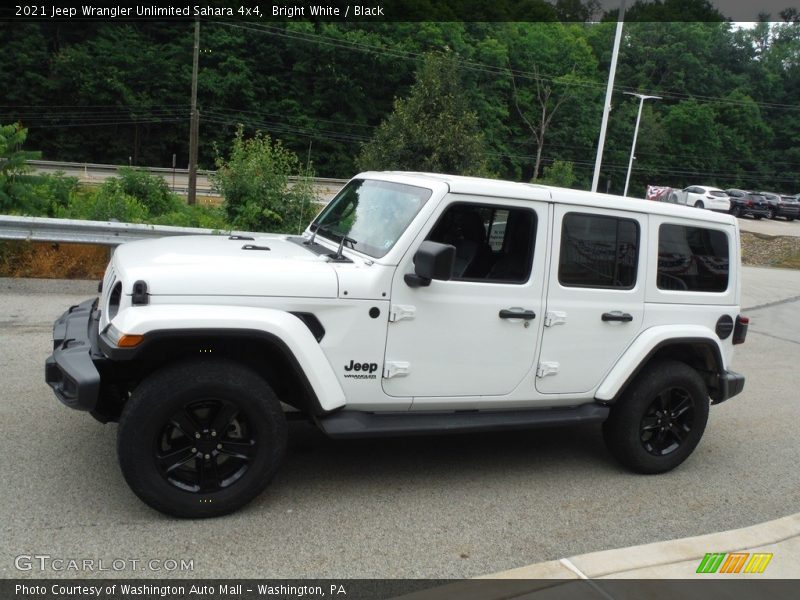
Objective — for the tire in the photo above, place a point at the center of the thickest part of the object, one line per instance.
(628, 432)
(201, 438)
(673, 198)
(699, 204)
(758, 217)
(771, 213)
(736, 211)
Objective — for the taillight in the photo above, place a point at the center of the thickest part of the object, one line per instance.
(749, 203)
(740, 330)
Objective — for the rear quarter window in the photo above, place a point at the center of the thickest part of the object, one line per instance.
(692, 259)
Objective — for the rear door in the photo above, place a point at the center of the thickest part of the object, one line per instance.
(595, 302)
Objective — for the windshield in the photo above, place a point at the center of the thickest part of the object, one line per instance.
(719, 194)
(372, 214)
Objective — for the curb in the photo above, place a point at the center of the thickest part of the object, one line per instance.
(655, 560)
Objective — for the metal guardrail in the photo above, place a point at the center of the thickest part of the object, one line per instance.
(105, 233)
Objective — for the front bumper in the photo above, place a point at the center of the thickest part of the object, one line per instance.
(71, 370)
(730, 384)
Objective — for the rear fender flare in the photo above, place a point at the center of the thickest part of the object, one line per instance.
(645, 346)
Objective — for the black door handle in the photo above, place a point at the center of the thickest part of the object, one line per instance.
(517, 313)
(617, 315)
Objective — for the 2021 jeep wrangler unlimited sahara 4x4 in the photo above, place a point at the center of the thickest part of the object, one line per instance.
(414, 303)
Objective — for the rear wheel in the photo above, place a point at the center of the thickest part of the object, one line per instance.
(699, 204)
(771, 213)
(736, 211)
(201, 438)
(660, 418)
(757, 217)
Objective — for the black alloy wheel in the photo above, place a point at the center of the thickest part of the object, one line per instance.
(206, 446)
(667, 422)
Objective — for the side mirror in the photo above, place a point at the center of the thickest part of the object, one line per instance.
(432, 261)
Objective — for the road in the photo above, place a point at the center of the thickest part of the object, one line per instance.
(422, 507)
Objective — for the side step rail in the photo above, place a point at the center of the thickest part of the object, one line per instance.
(349, 424)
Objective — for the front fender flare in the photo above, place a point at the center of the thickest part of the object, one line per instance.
(647, 344)
(280, 326)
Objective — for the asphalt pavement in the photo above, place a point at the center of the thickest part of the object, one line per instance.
(459, 506)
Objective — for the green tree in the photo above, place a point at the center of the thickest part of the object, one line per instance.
(560, 174)
(14, 170)
(151, 191)
(255, 182)
(550, 66)
(432, 129)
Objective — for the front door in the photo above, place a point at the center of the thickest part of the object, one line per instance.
(475, 335)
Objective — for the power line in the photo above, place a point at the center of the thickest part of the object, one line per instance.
(491, 69)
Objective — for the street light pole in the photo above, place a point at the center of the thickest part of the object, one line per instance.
(612, 72)
(194, 124)
(642, 98)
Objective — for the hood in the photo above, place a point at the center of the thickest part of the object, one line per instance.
(216, 265)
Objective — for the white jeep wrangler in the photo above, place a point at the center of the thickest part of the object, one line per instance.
(413, 304)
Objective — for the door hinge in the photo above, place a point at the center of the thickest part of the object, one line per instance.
(547, 368)
(396, 368)
(554, 317)
(398, 312)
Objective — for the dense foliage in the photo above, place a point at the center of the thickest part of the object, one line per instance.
(255, 183)
(116, 92)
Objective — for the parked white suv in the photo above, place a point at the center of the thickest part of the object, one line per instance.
(414, 303)
(702, 196)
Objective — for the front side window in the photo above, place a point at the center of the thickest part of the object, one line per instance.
(372, 215)
(693, 259)
(493, 243)
(598, 251)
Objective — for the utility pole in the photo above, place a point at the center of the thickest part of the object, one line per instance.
(609, 91)
(194, 125)
(642, 98)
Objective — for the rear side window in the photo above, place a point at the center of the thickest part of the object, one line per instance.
(692, 259)
(598, 251)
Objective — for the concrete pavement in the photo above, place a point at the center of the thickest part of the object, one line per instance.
(679, 559)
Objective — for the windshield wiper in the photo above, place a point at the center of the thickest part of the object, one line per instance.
(339, 257)
(310, 241)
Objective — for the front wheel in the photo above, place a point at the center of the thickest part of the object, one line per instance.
(201, 438)
(736, 211)
(771, 213)
(659, 419)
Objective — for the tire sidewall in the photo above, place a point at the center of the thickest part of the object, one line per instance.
(622, 429)
(163, 394)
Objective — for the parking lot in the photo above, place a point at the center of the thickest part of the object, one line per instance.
(770, 226)
(422, 507)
